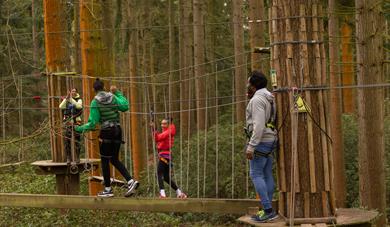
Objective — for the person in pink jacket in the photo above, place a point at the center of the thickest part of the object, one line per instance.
(164, 141)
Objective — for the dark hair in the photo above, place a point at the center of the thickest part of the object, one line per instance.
(98, 85)
(258, 80)
(169, 119)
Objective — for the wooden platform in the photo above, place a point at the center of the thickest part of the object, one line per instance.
(344, 217)
(223, 206)
(49, 167)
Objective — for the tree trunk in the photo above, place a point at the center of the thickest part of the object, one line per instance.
(347, 67)
(335, 109)
(239, 61)
(96, 62)
(76, 64)
(305, 186)
(35, 50)
(256, 32)
(137, 146)
(185, 43)
(199, 60)
(174, 88)
(57, 60)
(370, 58)
(210, 57)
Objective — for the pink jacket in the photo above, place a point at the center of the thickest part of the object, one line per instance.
(166, 138)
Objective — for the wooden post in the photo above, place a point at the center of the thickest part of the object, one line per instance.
(335, 108)
(96, 62)
(370, 57)
(298, 58)
(256, 34)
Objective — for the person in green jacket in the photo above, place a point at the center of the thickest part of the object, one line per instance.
(105, 108)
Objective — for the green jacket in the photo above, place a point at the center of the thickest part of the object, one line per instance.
(118, 100)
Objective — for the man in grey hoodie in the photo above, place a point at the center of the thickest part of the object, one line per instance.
(262, 136)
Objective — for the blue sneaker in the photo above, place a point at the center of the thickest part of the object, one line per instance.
(265, 217)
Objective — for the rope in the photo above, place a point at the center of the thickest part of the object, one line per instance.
(216, 135)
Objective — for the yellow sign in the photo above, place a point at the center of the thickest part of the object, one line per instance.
(302, 106)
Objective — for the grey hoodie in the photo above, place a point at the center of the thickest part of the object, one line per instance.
(258, 113)
(104, 97)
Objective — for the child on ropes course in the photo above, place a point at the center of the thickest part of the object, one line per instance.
(262, 136)
(105, 109)
(164, 142)
(72, 107)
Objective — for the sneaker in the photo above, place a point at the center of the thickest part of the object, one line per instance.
(162, 197)
(259, 213)
(132, 186)
(182, 196)
(266, 217)
(106, 193)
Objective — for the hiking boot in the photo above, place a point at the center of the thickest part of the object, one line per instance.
(131, 188)
(106, 193)
(265, 217)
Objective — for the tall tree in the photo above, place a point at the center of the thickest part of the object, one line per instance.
(335, 108)
(305, 187)
(96, 62)
(348, 75)
(256, 32)
(199, 60)
(370, 58)
(239, 60)
(174, 88)
(185, 64)
(137, 145)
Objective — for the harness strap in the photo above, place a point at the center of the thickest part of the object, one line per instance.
(164, 160)
(111, 141)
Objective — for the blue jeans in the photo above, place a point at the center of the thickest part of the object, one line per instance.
(261, 174)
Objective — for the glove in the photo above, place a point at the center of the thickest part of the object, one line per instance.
(249, 152)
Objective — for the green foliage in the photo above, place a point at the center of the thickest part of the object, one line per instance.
(350, 133)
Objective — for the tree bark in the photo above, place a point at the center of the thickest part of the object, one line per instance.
(57, 60)
(239, 61)
(199, 60)
(306, 190)
(174, 88)
(137, 146)
(370, 57)
(256, 32)
(347, 67)
(186, 55)
(96, 62)
(335, 108)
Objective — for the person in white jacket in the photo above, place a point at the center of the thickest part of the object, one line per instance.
(262, 140)
(72, 107)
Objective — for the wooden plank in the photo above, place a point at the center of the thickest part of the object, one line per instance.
(306, 225)
(327, 220)
(281, 203)
(306, 201)
(325, 207)
(321, 225)
(51, 163)
(319, 73)
(305, 65)
(228, 206)
(274, 223)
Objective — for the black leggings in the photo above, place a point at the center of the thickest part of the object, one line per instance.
(109, 152)
(163, 173)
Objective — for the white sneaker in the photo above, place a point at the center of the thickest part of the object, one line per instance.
(133, 185)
